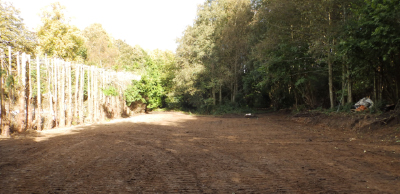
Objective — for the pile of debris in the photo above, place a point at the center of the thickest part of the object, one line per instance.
(366, 104)
(363, 104)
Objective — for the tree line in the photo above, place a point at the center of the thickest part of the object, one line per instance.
(237, 54)
(289, 53)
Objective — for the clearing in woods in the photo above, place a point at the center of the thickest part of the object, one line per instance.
(178, 153)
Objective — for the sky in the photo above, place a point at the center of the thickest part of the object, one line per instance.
(152, 24)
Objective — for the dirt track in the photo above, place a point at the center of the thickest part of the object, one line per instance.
(177, 153)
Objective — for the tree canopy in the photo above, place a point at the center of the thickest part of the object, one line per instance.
(13, 31)
(57, 37)
(301, 53)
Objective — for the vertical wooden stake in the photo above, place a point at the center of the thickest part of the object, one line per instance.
(56, 96)
(62, 95)
(39, 117)
(29, 94)
(89, 99)
(81, 94)
(2, 109)
(103, 104)
(77, 73)
(22, 96)
(95, 94)
(69, 107)
(18, 65)
(10, 93)
(9, 60)
(92, 111)
(50, 117)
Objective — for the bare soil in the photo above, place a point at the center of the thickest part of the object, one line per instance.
(179, 153)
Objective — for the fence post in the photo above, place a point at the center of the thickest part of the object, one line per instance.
(2, 104)
(50, 116)
(81, 95)
(62, 94)
(69, 108)
(39, 117)
(29, 94)
(75, 115)
(10, 89)
(21, 98)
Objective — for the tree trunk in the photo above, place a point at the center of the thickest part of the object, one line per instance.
(330, 77)
(232, 91)
(381, 87)
(220, 94)
(349, 86)
(343, 101)
(213, 95)
(375, 88)
(235, 86)
(330, 68)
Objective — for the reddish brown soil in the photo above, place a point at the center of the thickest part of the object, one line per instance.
(178, 153)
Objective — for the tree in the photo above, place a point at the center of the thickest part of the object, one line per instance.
(13, 31)
(101, 49)
(206, 49)
(57, 37)
(233, 43)
(155, 82)
(130, 58)
(372, 36)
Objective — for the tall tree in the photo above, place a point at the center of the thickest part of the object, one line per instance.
(57, 37)
(130, 58)
(101, 49)
(13, 31)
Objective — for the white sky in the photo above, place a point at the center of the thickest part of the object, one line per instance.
(151, 24)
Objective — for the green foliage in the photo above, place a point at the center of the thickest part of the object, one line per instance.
(130, 58)
(101, 48)
(283, 53)
(135, 92)
(346, 108)
(57, 37)
(43, 81)
(110, 91)
(155, 82)
(13, 31)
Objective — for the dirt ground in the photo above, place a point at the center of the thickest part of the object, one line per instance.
(179, 153)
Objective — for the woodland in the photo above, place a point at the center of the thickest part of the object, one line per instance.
(238, 55)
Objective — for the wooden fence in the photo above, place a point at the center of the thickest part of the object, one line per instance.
(43, 93)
